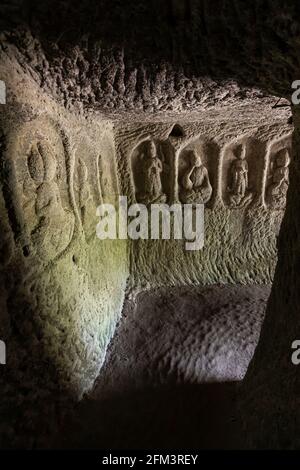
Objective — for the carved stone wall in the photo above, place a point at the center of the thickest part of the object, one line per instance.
(179, 56)
(199, 66)
(238, 169)
(61, 288)
(271, 386)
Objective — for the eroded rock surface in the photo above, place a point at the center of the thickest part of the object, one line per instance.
(243, 204)
(171, 371)
(62, 289)
(186, 335)
(86, 94)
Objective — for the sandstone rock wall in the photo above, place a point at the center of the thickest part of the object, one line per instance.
(240, 229)
(69, 69)
(62, 289)
(272, 381)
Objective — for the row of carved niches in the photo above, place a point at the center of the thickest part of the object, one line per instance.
(59, 188)
(243, 173)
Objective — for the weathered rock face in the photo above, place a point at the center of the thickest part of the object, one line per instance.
(86, 109)
(172, 370)
(63, 289)
(240, 160)
(183, 336)
(153, 56)
(272, 382)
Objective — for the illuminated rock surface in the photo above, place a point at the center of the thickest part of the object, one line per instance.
(87, 98)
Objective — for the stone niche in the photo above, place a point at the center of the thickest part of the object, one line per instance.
(237, 169)
(62, 289)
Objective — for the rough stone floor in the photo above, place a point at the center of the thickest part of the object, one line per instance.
(172, 371)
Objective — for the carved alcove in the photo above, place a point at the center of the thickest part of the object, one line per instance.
(276, 179)
(197, 172)
(241, 175)
(43, 198)
(152, 171)
(94, 179)
(177, 131)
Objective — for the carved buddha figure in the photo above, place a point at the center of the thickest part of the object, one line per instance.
(195, 184)
(55, 226)
(238, 189)
(151, 172)
(277, 189)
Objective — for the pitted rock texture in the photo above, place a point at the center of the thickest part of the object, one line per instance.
(183, 335)
(239, 240)
(62, 289)
(155, 56)
(172, 371)
(99, 58)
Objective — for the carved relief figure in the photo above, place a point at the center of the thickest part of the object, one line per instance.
(54, 229)
(152, 168)
(83, 190)
(195, 184)
(239, 195)
(277, 189)
(35, 167)
(99, 179)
